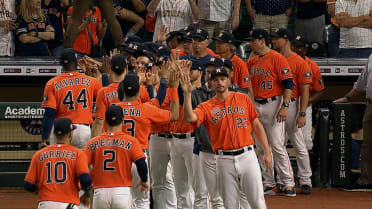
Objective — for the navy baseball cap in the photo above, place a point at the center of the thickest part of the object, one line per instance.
(63, 126)
(114, 115)
(258, 33)
(139, 49)
(219, 71)
(68, 55)
(227, 63)
(301, 41)
(196, 65)
(118, 63)
(215, 61)
(133, 38)
(171, 35)
(225, 37)
(152, 47)
(131, 85)
(200, 33)
(164, 53)
(283, 33)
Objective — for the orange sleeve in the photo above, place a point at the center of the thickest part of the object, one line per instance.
(96, 87)
(209, 51)
(81, 163)
(252, 113)
(88, 153)
(282, 68)
(49, 97)
(32, 173)
(318, 83)
(200, 114)
(69, 15)
(157, 115)
(155, 102)
(99, 17)
(305, 75)
(136, 151)
(242, 78)
(101, 105)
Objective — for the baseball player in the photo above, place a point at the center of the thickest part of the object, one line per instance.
(139, 119)
(7, 25)
(81, 6)
(225, 48)
(296, 117)
(111, 154)
(70, 95)
(317, 86)
(272, 84)
(56, 171)
(233, 114)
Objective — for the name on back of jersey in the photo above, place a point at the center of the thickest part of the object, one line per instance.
(57, 154)
(109, 143)
(131, 111)
(71, 82)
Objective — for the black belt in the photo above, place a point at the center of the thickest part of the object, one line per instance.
(165, 135)
(265, 101)
(183, 136)
(234, 152)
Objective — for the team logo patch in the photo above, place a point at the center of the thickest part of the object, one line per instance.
(221, 34)
(321, 81)
(246, 78)
(298, 38)
(32, 127)
(307, 74)
(285, 71)
(45, 98)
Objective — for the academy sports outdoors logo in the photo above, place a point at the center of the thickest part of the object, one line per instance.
(21, 112)
(285, 71)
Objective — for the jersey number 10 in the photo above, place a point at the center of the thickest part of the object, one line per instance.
(59, 169)
(80, 99)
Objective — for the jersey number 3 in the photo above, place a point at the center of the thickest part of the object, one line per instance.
(80, 99)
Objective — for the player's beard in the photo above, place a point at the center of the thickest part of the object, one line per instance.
(220, 89)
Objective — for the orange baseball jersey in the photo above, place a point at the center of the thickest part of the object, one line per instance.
(139, 119)
(228, 122)
(181, 126)
(111, 155)
(56, 170)
(161, 128)
(267, 73)
(109, 95)
(83, 42)
(181, 52)
(71, 94)
(317, 84)
(241, 74)
(301, 73)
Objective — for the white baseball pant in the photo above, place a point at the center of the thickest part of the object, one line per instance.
(141, 200)
(163, 190)
(276, 134)
(181, 159)
(209, 165)
(307, 130)
(240, 172)
(54, 205)
(297, 139)
(80, 136)
(199, 185)
(112, 198)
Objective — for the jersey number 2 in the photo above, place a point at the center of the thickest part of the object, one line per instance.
(59, 169)
(81, 98)
(110, 159)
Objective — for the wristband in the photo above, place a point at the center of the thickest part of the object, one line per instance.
(173, 94)
(347, 97)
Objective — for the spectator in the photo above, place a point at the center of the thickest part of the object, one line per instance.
(34, 30)
(53, 8)
(333, 31)
(7, 25)
(270, 14)
(92, 23)
(217, 16)
(310, 20)
(177, 14)
(355, 20)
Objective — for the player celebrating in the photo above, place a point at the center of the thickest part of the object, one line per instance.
(55, 171)
(70, 95)
(139, 118)
(296, 119)
(111, 155)
(272, 85)
(233, 114)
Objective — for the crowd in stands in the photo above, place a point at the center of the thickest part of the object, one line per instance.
(341, 28)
